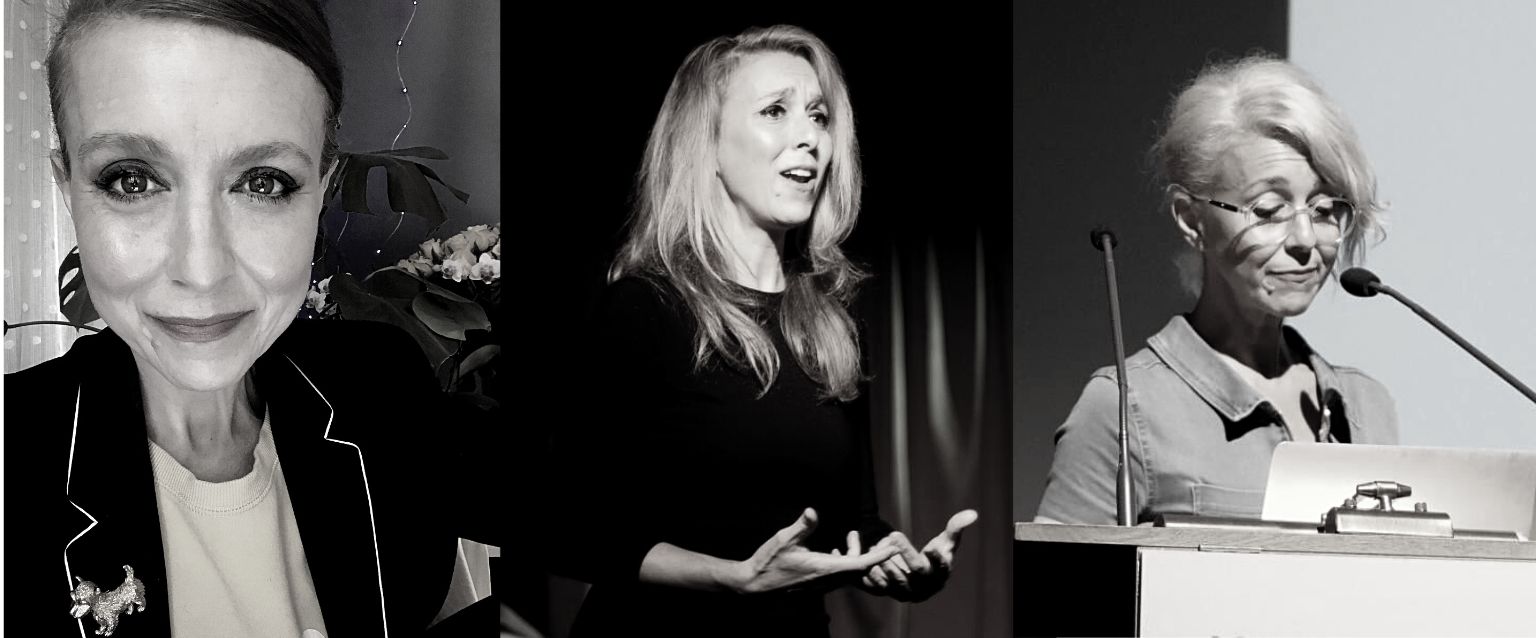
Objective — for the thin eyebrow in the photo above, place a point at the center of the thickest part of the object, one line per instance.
(149, 146)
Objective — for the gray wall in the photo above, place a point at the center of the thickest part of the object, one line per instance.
(451, 62)
(1442, 95)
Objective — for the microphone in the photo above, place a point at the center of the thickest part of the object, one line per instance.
(1364, 283)
(1104, 240)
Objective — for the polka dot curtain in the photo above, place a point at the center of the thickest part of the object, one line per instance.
(38, 230)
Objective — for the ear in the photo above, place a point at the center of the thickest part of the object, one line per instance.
(61, 176)
(1186, 214)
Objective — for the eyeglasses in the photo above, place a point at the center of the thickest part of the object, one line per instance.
(1330, 216)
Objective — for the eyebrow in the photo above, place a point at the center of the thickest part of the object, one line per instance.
(785, 92)
(131, 141)
(145, 145)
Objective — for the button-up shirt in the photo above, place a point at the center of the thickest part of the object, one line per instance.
(1200, 437)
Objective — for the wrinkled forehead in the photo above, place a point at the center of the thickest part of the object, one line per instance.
(767, 74)
(189, 85)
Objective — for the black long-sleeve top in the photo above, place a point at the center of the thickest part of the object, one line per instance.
(694, 457)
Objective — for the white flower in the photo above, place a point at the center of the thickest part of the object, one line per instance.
(416, 265)
(482, 236)
(431, 249)
(488, 269)
(318, 298)
(457, 266)
(457, 244)
(496, 248)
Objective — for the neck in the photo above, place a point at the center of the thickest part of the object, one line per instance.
(1255, 340)
(211, 433)
(755, 253)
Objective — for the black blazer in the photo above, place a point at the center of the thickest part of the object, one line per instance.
(380, 483)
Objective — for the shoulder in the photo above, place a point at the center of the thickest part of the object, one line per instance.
(1355, 382)
(378, 357)
(640, 297)
(88, 352)
(641, 307)
(345, 340)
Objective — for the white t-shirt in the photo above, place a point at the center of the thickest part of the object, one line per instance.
(234, 561)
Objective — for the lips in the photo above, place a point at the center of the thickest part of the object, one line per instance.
(200, 329)
(800, 174)
(1295, 276)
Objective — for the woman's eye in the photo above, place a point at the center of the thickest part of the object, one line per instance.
(774, 111)
(133, 184)
(819, 118)
(128, 182)
(1267, 207)
(268, 184)
(264, 185)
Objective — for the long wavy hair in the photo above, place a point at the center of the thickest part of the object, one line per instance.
(676, 231)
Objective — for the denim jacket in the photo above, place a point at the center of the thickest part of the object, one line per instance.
(1201, 438)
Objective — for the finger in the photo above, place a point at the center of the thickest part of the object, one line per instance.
(909, 554)
(853, 544)
(894, 572)
(868, 583)
(877, 575)
(798, 531)
(827, 563)
(836, 552)
(957, 524)
(900, 563)
(942, 547)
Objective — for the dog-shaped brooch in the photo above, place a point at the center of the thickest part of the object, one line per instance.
(105, 606)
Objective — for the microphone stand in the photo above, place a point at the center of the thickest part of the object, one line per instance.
(1446, 330)
(1105, 242)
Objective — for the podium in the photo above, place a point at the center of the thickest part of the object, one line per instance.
(1086, 580)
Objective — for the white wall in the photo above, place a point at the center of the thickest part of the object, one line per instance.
(1444, 98)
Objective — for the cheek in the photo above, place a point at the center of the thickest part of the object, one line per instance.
(277, 252)
(119, 254)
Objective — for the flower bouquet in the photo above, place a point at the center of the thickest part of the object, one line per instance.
(444, 295)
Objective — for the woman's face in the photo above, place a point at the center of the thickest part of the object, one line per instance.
(195, 189)
(774, 140)
(1272, 269)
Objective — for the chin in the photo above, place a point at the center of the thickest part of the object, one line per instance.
(1290, 305)
(205, 375)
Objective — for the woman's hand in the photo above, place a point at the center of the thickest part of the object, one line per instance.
(784, 562)
(910, 575)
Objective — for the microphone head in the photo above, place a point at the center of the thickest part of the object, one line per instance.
(1360, 282)
(1100, 235)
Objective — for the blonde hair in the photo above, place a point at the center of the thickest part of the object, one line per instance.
(1272, 98)
(676, 232)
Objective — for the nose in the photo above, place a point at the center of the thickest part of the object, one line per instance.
(1301, 237)
(201, 253)
(805, 134)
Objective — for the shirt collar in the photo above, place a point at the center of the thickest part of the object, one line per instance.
(1194, 361)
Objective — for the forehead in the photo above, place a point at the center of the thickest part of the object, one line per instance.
(186, 83)
(762, 75)
(1254, 161)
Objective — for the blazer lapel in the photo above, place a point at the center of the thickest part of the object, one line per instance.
(113, 520)
(332, 505)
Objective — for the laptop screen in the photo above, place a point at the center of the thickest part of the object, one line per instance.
(1493, 490)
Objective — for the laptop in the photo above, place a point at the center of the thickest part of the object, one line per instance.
(1481, 489)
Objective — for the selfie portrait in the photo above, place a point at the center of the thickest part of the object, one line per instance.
(251, 298)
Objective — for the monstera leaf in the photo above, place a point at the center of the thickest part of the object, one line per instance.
(406, 181)
(74, 299)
